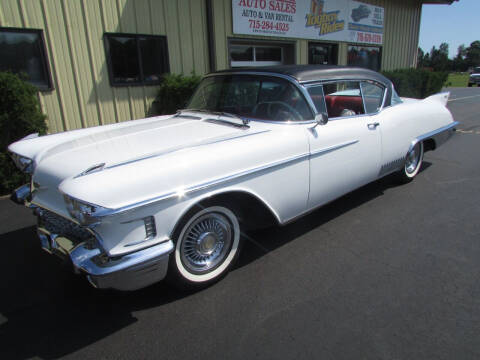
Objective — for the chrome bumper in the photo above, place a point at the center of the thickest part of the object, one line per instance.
(77, 245)
(128, 272)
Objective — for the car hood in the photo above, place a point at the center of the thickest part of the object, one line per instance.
(66, 155)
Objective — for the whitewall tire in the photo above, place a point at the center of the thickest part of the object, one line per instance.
(413, 163)
(207, 245)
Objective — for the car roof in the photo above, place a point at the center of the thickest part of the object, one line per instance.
(306, 73)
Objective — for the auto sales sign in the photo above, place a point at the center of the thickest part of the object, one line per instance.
(336, 20)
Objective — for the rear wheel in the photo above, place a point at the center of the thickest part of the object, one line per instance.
(207, 245)
(413, 163)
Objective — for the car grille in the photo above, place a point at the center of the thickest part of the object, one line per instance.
(57, 224)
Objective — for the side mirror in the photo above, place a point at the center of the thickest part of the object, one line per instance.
(321, 119)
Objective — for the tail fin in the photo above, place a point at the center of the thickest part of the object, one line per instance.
(442, 98)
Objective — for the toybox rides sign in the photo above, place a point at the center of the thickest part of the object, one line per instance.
(335, 20)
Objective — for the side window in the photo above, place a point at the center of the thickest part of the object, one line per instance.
(372, 96)
(281, 101)
(316, 94)
(395, 98)
(343, 98)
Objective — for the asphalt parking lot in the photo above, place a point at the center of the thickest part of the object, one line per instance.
(386, 272)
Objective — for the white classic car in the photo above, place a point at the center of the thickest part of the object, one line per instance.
(171, 196)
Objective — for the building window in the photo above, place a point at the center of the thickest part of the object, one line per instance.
(136, 59)
(365, 56)
(23, 52)
(246, 55)
(259, 53)
(322, 54)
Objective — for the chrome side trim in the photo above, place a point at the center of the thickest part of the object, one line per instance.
(433, 134)
(91, 169)
(183, 147)
(391, 166)
(332, 148)
(208, 184)
(203, 186)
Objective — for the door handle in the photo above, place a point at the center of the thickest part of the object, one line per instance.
(373, 126)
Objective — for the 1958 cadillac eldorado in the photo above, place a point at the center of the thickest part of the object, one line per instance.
(170, 196)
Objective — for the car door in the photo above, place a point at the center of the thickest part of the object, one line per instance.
(345, 153)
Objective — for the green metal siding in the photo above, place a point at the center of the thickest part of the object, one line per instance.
(74, 39)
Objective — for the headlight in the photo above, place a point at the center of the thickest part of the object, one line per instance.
(85, 214)
(23, 163)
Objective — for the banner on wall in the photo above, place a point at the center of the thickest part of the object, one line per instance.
(335, 20)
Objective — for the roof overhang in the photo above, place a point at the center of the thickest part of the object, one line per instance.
(447, 2)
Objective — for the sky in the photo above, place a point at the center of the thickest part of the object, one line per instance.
(454, 24)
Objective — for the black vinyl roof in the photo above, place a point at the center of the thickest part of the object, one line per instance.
(304, 73)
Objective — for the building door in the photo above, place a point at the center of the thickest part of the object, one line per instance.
(322, 53)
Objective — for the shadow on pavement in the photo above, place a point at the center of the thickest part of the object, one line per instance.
(49, 312)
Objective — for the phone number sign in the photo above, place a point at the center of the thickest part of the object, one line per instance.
(336, 20)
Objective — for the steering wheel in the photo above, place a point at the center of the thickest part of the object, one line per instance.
(270, 112)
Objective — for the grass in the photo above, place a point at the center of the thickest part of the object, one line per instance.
(457, 80)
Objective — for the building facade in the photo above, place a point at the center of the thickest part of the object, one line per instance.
(97, 62)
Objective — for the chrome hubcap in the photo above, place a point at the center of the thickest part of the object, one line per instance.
(206, 243)
(413, 159)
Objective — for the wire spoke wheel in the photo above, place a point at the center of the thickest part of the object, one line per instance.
(207, 245)
(206, 242)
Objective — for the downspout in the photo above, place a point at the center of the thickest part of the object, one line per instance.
(210, 36)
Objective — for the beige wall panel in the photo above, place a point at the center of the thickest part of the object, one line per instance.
(221, 33)
(143, 17)
(110, 15)
(173, 36)
(185, 29)
(11, 13)
(158, 16)
(59, 44)
(199, 36)
(101, 93)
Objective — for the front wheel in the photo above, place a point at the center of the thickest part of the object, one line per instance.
(413, 163)
(207, 245)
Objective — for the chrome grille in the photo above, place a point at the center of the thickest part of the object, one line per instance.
(59, 225)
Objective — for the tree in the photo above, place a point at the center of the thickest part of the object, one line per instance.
(459, 62)
(439, 58)
(472, 56)
(423, 59)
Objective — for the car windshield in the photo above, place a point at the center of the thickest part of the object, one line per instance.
(247, 96)
(476, 70)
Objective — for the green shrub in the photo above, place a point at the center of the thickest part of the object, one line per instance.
(175, 91)
(416, 83)
(20, 115)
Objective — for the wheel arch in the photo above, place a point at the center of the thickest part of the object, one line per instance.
(251, 209)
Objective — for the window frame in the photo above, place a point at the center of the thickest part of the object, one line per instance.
(321, 83)
(380, 54)
(254, 61)
(334, 45)
(299, 87)
(142, 82)
(384, 90)
(43, 52)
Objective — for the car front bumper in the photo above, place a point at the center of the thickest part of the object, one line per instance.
(79, 246)
(474, 80)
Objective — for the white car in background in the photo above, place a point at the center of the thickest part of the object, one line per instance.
(474, 77)
(131, 203)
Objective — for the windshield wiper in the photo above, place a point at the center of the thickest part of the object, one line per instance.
(220, 113)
